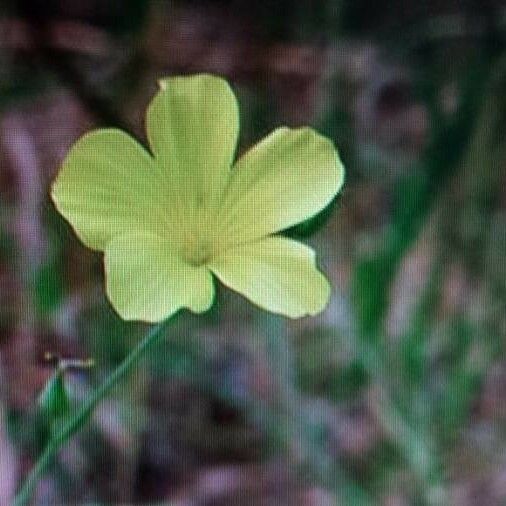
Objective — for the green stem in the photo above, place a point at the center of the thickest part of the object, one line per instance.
(74, 423)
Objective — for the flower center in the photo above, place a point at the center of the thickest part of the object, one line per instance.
(196, 251)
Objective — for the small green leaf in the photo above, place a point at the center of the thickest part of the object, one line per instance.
(48, 287)
(53, 400)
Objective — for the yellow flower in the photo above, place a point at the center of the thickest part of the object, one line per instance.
(170, 219)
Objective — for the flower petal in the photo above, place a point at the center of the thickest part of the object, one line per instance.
(146, 280)
(192, 126)
(283, 180)
(277, 274)
(108, 185)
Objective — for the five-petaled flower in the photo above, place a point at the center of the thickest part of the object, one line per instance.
(170, 219)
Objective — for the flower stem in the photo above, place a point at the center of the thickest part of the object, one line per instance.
(77, 420)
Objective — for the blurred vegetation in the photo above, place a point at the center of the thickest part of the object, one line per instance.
(397, 393)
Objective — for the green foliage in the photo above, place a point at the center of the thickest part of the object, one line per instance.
(53, 400)
(48, 287)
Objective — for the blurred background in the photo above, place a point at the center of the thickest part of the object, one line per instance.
(396, 394)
